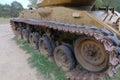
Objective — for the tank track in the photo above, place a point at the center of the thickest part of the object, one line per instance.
(108, 39)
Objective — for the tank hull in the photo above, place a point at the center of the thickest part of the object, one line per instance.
(65, 2)
(80, 36)
(66, 15)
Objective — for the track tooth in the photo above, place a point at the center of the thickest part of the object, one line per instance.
(114, 70)
(60, 28)
(50, 26)
(111, 71)
(77, 30)
(86, 32)
(98, 36)
(114, 64)
(66, 29)
(101, 40)
(80, 31)
(73, 30)
(54, 27)
(117, 67)
(68, 75)
(63, 28)
(114, 60)
(80, 76)
(107, 41)
(69, 29)
(91, 33)
(46, 25)
(88, 76)
(107, 47)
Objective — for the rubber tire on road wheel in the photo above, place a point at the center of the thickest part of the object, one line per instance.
(91, 54)
(45, 46)
(24, 34)
(36, 38)
(31, 40)
(27, 35)
(19, 33)
(61, 53)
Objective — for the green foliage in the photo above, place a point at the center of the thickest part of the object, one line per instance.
(99, 3)
(5, 10)
(49, 70)
(118, 8)
(16, 8)
(12, 10)
(33, 4)
(4, 20)
(110, 3)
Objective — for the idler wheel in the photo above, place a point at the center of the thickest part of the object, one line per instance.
(91, 54)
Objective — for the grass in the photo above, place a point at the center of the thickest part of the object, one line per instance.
(4, 20)
(48, 69)
(116, 77)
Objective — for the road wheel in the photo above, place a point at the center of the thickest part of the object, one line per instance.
(64, 57)
(27, 35)
(36, 38)
(45, 46)
(19, 33)
(31, 40)
(24, 34)
(91, 54)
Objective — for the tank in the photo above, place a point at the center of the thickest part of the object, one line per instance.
(82, 40)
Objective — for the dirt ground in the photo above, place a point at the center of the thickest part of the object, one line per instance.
(13, 60)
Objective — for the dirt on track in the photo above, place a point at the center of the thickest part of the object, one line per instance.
(13, 60)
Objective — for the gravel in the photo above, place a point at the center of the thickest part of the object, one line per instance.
(13, 60)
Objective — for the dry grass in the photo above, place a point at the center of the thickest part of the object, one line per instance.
(4, 20)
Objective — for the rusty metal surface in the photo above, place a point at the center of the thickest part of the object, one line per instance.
(65, 2)
(91, 54)
(108, 39)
